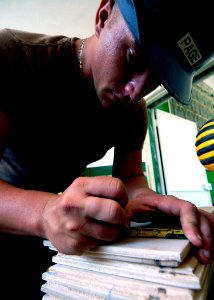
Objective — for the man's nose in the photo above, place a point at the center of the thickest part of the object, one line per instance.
(132, 89)
(140, 84)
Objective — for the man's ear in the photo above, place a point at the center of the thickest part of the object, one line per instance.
(102, 15)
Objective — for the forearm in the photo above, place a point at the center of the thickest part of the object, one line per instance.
(21, 210)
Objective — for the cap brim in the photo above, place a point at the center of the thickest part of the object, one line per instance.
(176, 80)
(172, 73)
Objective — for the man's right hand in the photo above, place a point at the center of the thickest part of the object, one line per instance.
(89, 211)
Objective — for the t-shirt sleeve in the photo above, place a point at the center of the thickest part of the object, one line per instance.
(12, 68)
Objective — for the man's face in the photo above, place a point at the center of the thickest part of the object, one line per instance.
(120, 70)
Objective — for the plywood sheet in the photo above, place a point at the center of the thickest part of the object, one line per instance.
(62, 280)
(183, 276)
(156, 250)
(147, 248)
(137, 268)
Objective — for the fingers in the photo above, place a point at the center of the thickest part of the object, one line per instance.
(190, 222)
(77, 238)
(74, 245)
(188, 214)
(105, 210)
(138, 211)
(198, 227)
(100, 230)
(102, 186)
(99, 218)
(100, 198)
(88, 212)
(157, 205)
(205, 252)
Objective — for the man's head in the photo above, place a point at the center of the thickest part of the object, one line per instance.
(114, 60)
(176, 36)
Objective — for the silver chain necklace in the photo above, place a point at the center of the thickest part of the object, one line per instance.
(80, 56)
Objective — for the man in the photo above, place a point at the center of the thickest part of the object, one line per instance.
(64, 103)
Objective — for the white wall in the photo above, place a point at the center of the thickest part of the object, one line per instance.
(68, 17)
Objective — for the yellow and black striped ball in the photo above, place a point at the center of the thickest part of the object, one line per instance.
(205, 145)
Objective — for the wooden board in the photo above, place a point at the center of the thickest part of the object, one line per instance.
(129, 269)
(188, 275)
(169, 252)
(157, 250)
(66, 282)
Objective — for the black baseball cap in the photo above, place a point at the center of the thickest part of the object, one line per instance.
(176, 35)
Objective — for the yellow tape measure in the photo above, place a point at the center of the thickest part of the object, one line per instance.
(167, 233)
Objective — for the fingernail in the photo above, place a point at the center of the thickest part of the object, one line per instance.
(199, 237)
(206, 253)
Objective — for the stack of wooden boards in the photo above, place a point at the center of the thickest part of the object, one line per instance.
(132, 268)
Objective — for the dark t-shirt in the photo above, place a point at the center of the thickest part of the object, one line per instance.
(59, 125)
